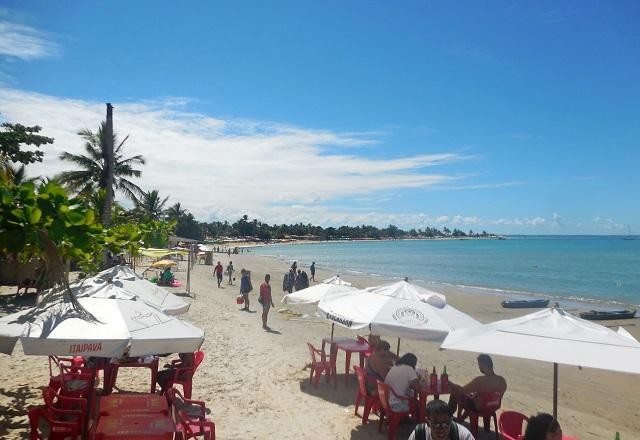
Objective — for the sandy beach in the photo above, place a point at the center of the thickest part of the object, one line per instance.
(256, 385)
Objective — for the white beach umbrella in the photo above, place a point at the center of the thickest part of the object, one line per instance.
(400, 309)
(132, 285)
(122, 326)
(336, 280)
(313, 294)
(552, 335)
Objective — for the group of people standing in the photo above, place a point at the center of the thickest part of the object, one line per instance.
(297, 279)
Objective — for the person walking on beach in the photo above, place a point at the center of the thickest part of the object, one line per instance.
(266, 300)
(218, 273)
(312, 269)
(245, 287)
(230, 272)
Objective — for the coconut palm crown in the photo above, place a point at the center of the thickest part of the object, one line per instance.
(91, 176)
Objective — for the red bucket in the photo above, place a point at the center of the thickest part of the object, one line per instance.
(239, 299)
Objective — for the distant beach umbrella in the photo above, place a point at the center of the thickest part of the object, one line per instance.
(337, 280)
(552, 335)
(133, 287)
(163, 263)
(313, 294)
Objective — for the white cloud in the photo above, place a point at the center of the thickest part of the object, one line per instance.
(223, 168)
(608, 224)
(557, 220)
(24, 42)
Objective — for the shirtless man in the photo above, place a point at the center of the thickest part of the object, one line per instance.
(378, 365)
(468, 396)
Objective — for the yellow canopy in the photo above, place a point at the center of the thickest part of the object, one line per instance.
(163, 263)
(157, 253)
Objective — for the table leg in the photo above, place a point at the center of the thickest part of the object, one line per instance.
(154, 375)
(347, 364)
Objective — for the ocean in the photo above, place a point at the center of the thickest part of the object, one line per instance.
(595, 269)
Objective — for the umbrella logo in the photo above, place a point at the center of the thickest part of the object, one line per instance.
(409, 316)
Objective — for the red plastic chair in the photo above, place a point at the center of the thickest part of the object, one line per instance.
(363, 340)
(490, 404)
(184, 375)
(54, 400)
(393, 417)
(62, 423)
(510, 424)
(74, 381)
(320, 366)
(371, 403)
(189, 416)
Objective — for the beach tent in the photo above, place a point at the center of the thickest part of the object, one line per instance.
(313, 294)
(132, 286)
(552, 335)
(400, 309)
(121, 327)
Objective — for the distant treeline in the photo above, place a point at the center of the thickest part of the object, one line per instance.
(245, 228)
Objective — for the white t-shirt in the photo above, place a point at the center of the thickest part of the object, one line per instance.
(463, 433)
(398, 378)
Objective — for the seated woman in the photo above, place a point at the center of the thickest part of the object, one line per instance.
(404, 381)
(378, 365)
(166, 278)
(543, 426)
(165, 377)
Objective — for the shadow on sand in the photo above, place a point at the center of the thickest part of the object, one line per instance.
(13, 416)
(15, 303)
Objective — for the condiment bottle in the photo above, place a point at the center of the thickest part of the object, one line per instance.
(444, 379)
(433, 379)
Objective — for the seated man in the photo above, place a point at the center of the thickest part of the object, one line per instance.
(166, 376)
(439, 425)
(378, 365)
(468, 396)
(404, 381)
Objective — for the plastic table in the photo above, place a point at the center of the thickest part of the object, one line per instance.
(111, 371)
(132, 404)
(425, 391)
(349, 346)
(145, 426)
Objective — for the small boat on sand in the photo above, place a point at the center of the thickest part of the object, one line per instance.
(525, 303)
(601, 315)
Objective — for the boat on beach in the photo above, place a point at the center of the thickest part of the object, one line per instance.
(525, 303)
(601, 315)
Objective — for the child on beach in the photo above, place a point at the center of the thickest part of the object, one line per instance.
(218, 273)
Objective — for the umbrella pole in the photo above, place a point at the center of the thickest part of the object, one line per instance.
(332, 326)
(189, 273)
(398, 349)
(555, 391)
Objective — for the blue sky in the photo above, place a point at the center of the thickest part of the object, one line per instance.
(512, 117)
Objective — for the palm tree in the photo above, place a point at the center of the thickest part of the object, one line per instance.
(175, 212)
(151, 204)
(91, 176)
(16, 175)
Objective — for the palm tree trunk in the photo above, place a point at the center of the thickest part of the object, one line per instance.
(107, 154)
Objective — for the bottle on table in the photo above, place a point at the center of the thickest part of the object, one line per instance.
(444, 378)
(433, 379)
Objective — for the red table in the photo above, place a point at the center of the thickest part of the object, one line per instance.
(111, 371)
(132, 404)
(425, 391)
(145, 426)
(349, 346)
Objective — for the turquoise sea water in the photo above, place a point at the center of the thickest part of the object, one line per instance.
(593, 268)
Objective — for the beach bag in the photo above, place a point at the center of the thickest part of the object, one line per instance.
(239, 299)
(260, 300)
